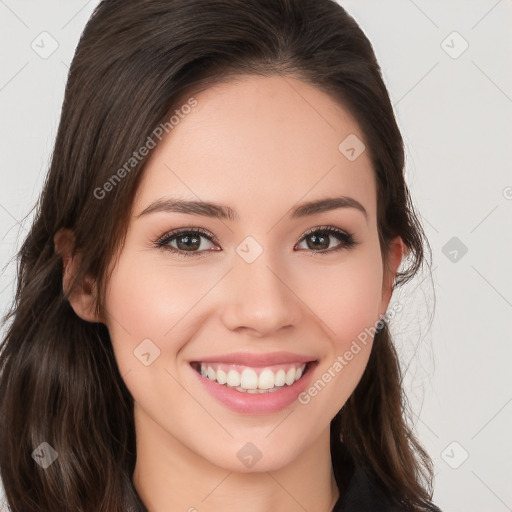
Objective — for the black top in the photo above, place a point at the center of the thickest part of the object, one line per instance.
(362, 495)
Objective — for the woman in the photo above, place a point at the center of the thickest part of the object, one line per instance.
(176, 341)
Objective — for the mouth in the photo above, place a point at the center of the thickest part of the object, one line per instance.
(252, 379)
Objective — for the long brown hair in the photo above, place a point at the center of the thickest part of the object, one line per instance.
(135, 63)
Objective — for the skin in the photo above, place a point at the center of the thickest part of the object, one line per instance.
(259, 145)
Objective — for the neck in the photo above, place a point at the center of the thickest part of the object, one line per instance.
(169, 476)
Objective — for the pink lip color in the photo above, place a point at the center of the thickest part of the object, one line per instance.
(256, 403)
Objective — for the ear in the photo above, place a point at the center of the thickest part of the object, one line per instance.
(83, 294)
(395, 253)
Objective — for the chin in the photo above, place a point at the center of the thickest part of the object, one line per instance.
(255, 454)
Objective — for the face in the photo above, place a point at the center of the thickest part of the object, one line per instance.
(271, 296)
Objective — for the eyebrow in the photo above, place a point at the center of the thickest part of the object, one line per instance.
(219, 211)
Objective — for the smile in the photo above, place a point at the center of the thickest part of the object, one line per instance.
(247, 379)
(255, 383)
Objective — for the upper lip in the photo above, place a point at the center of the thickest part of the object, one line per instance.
(245, 359)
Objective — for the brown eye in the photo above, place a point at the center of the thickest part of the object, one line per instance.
(319, 239)
(187, 241)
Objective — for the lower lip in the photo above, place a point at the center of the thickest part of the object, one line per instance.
(257, 403)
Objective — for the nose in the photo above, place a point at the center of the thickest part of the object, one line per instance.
(258, 297)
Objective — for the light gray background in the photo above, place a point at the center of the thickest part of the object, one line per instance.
(455, 115)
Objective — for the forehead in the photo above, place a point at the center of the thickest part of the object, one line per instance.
(255, 142)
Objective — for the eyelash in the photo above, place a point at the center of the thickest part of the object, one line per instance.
(347, 240)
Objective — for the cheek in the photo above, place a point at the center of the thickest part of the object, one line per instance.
(349, 311)
(347, 297)
(144, 302)
(347, 304)
(147, 317)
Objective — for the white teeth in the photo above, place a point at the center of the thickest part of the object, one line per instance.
(290, 376)
(266, 379)
(222, 378)
(248, 380)
(233, 379)
(280, 378)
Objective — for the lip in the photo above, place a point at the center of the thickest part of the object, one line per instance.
(257, 403)
(256, 360)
